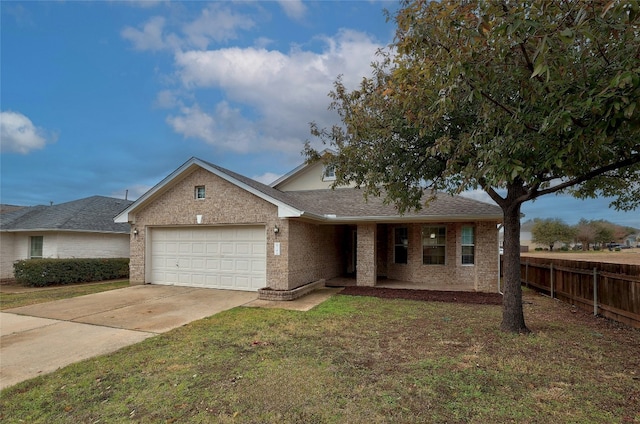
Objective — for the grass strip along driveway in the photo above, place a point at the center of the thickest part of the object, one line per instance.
(354, 359)
(17, 296)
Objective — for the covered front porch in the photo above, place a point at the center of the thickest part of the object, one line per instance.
(419, 256)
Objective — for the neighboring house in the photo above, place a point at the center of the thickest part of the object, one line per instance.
(526, 238)
(632, 240)
(79, 229)
(206, 226)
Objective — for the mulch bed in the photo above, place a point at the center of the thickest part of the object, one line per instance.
(426, 295)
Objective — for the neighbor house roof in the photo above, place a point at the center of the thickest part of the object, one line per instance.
(91, 214)
(340, 205)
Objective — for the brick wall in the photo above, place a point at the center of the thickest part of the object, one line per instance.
(481, 276)
(315, 252)
(366, 268)
(224, 203)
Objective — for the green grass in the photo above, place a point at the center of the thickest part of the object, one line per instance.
(33, 296)
(354, 360)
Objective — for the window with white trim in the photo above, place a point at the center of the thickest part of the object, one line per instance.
(329, 173)
(199, 192)
(468, 245)
(35, 247)
(400, 245)
(434, 243)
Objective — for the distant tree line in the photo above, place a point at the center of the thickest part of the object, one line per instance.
(596, 233)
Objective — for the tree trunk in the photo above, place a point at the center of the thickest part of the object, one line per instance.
(512, 313)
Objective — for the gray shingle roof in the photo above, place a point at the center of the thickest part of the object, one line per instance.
(350, 203)
(346, 204)
(91, 214)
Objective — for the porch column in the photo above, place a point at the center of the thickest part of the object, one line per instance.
(366, 271)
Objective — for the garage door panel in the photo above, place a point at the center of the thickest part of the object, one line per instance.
(222, 257)
(242, 282)
(227, 248)
(258, 267)
(227, 265)
(198, 264)
(245, 249)
(213, 264)
(242, 265)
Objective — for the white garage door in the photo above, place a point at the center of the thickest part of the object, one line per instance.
(217, 257)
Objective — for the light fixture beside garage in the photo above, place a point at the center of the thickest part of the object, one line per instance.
(276, 230)
(199, 219)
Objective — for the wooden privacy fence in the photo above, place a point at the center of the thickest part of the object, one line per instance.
(609, 290)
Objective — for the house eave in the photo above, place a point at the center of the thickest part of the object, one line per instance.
(335, 219)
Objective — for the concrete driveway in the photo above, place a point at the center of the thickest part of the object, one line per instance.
(39, 339)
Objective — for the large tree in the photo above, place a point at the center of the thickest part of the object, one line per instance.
(549, 231)
(518, 98)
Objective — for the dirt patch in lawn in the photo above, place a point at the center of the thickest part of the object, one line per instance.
(426, 295)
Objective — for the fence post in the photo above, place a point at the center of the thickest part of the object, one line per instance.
(526, 273)
(551, 274)
(595, 291)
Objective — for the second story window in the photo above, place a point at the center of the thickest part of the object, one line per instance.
(329, 173)
(199, 192)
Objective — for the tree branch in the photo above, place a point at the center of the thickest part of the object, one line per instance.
(585, 177)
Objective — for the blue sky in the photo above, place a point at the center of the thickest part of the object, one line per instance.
(108, 96)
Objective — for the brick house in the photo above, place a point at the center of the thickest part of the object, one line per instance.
(206, 226)
(82, 228)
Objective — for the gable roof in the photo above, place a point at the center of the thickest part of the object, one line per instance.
(339, 205)
(263, 191)
(91, 214)
(294, 173)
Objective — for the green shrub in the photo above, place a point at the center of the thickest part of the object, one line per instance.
(47, 272)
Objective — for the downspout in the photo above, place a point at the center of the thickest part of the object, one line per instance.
(499, 268)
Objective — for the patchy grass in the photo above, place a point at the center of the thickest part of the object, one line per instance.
(355, 360)
(32, 296)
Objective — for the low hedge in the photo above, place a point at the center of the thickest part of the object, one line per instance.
(48, 272)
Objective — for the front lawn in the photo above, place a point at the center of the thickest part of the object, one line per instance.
(46, 294)
(354, 360)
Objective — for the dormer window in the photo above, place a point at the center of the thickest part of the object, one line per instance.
(329, 173)
(199, 192)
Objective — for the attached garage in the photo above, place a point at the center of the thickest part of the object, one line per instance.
(223, 257)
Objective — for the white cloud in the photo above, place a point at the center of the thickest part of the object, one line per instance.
(275, 94)
(294, 9)
(285, 91)
(150, 37)
(225, 128)
(167, 99)
(215, 23)
(267, 177)
(18, 134)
